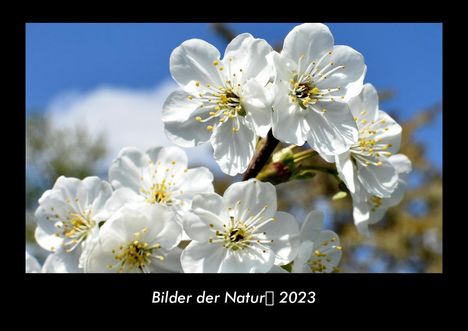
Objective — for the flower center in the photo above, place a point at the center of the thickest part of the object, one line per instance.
(159, 193)
(134, 255)
(77, 229)
(369, 150)
(320, 260)
(237, 236)
(221, 102)
(304, 93)
(376, 202)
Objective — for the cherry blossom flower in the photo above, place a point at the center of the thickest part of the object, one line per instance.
(69, 214)
(137, 240)
(158, 177)
(320, 250)
(239, 232)
(224, 101)
(365, 168)
(313, 82)
(373, 208)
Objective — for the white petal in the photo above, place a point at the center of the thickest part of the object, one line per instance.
(170, 157)
(352, 72)
(247, 261)
(247, 53)
(275, 269)
(32, 265)
(378, 180)
(194, 181)
(255, 99)
(289, 123)
(125, 170)
(45, 231)
(283, 67)
(388, 131)
(284, 232)
(196, 225)
(119, 199)
(192, 62)
(67, 184)
(251, 197)
(397, 195)
(300, 263)
(365, 106)
(309, 40)
(179, 117)
(361, 214)
(170, 264)
(162, 226)
(332, 131)
(97, 193)
(312, 226)
(205, 258)
(401, 163)
(233, 150)
(62, 262)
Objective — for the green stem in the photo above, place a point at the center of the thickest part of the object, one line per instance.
(301, 156)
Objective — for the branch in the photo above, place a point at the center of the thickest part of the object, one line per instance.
(224, 31)
(261, 156)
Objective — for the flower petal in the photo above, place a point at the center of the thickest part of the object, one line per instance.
(179, 116)
(289, 122)
(361, 215)
(194, 181)
(125, 170)
(388, 131)
(251, 197)
(119, 199)
(247, 261)
(284, 232)
(310, 40)
(170, 264)
(62, 262)
(332, 131)
(401, 163)
(378, 180)
(257, 102)
(233, 150)
(202, 258)
(365, 106)
(192, 62)
(32, 265)
(248, 53)
(313, 224)
(353, 71)
(45, 231)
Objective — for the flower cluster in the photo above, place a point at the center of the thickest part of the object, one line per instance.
(154, 214)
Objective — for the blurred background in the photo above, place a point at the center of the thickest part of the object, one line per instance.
(92, 89)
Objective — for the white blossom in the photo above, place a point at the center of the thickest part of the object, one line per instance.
(68, 215)
(137, 240)
(224, 101)
(373, 208)
(158, 177)
(313, 82)
(239, 232)
(365, 168)
(320, 250)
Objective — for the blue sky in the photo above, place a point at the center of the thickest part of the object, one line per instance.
(83, 57)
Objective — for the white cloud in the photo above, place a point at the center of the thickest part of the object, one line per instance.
(128, 117)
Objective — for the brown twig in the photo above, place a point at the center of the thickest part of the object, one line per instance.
(224, 31)
(266, 147)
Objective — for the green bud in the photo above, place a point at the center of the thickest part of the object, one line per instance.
(340, 195)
